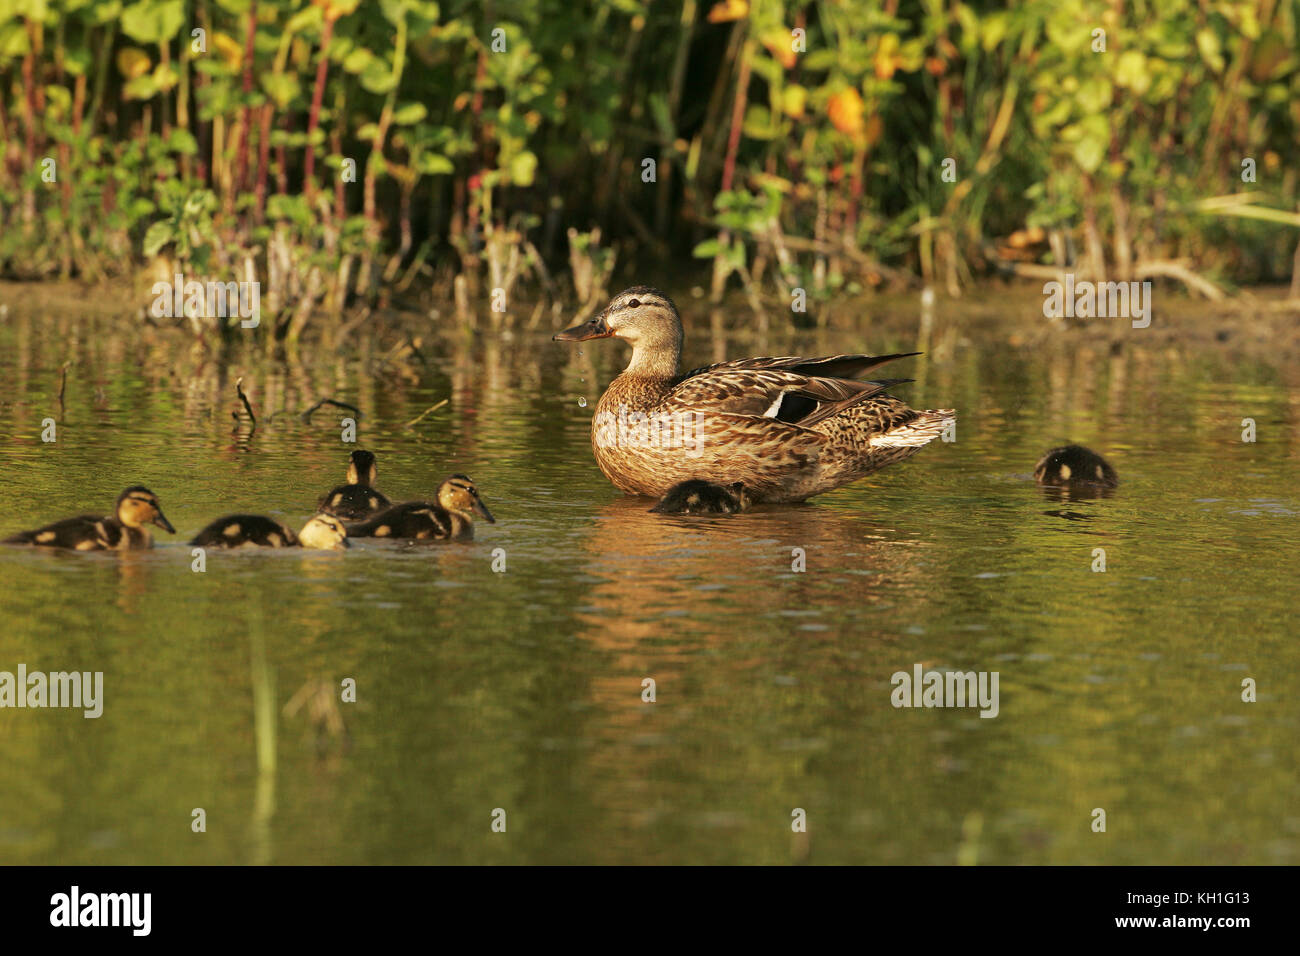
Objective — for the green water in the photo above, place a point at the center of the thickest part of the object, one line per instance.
(521, 688)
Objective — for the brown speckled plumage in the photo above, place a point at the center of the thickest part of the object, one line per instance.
(787, 427)
(358, 498)
(124, 530)
(451, 518)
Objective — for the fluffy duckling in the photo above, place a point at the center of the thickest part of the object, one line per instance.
(1071, 464)
(697, 497)
(321, 532)
(137, 506)
(452, 518)
(358, 498)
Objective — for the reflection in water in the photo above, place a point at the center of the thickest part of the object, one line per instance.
(508, 672)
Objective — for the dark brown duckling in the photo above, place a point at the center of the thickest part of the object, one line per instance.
(1074, 464)
(697, 497)
(321, 532)
(452, 518)
(357, 499)
(125, 530)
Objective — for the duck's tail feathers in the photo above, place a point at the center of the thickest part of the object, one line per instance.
(921, 430)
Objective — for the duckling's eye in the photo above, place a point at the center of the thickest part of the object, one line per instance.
(634, 304)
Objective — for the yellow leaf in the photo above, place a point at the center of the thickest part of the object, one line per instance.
(729, 10)
(780, 45)
(886, 56)
(229, 50)
(793, 98)
(132, 62)
(845, 109)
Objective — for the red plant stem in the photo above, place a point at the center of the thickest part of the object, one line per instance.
(164, 104)
(336, 138)
(282, 155)
(737, 117)
(78, 104)
(317, 97)
(241, 176)
(29, 103)
(263, 150)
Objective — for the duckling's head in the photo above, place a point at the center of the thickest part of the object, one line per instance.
(1074, 464)
(458, 493)
(643, 317)
(324, 533)
(361, 469)
(743, 498)
(699, 497)
(138, 506)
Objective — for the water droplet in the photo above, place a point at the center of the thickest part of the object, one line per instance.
(582, 401)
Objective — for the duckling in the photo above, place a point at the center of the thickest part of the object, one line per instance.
(697, 497)
(452, 518)
(1072, 464)
(137, 506)
(322, 532)
(358, 498)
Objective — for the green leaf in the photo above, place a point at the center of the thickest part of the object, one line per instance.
(433, 164)
(153, 21)
(1207, 41)
(376, 78)
(159, 234)
(141, 88)
(181, 141)
(523, 167)
(358, 60)
(310, 16)
(408, 114)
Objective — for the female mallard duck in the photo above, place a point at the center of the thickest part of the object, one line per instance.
(452, 518)
(788, 428)
(358, 498)
(322, 532)
(137, 506)
(1071, 464)
(697, 497)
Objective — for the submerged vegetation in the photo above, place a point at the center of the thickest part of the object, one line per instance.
(338, 152)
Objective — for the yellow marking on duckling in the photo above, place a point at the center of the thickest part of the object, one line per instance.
(275, 540)
(1065, 471)
(231, 530)
(1099, 473)
(374, 503)
(85, 546)
(45, 536)
(338, 499)
(383, 531)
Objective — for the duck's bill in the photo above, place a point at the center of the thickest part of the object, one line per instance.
(482, 509)
(596, 328)
(163, 523)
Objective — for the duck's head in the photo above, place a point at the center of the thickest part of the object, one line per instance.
(361, 469)
(324, 533)
(643, 317)
(458, 493)
(138, 506)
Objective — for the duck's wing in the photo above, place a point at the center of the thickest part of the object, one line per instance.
(93, 531)
(403, 520)
(830, 366)
(774, 395)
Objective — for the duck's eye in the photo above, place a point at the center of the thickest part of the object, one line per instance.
(634, 304)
